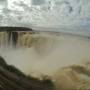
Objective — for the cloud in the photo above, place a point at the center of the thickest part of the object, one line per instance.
(50, 13)
(38, 2)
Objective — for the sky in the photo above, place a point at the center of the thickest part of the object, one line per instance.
(46, 13)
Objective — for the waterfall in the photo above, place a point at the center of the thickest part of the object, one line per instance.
(24, 39)
(13, 39)
(3, 39)
(43, 52)
(6, 40)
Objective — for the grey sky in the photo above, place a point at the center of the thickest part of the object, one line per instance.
(58, 13)
(38, 2)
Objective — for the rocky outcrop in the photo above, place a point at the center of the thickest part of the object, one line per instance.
(13, 79)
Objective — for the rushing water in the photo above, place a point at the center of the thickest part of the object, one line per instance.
(44, 53)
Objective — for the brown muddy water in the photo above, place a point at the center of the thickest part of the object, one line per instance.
(44, 54)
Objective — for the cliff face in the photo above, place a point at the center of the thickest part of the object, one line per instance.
(13, 79)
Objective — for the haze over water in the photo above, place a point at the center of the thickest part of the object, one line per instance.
(67, 50)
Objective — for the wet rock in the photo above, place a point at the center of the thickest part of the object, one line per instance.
(13, 79)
